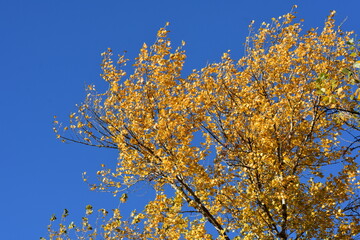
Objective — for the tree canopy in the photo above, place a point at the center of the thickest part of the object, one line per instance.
(264, 147)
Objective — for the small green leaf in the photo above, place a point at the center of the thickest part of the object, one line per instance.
(356, 64)
(347, 72)
(322, 76)
(350, 42)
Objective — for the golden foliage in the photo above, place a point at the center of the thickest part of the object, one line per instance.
(245, 145)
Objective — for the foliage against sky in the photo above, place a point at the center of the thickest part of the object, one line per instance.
(243, 144)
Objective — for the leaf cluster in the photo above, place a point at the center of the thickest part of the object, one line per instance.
(245, 145)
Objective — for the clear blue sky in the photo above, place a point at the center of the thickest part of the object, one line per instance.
(50, 49)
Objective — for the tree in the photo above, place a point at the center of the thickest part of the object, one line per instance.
(260, 148)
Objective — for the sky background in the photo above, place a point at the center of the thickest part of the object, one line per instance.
(50, 49)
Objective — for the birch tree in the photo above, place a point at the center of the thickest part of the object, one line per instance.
(263, 147)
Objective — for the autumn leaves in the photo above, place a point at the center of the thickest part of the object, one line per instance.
(242, 143)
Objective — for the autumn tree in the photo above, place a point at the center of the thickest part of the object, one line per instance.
(264, 147)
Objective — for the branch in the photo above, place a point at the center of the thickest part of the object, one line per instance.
(199, 206)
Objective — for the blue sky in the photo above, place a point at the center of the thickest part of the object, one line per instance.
(50, 50)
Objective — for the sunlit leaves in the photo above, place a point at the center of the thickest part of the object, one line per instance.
(356, 64)
(244, 145)
(89, 210)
